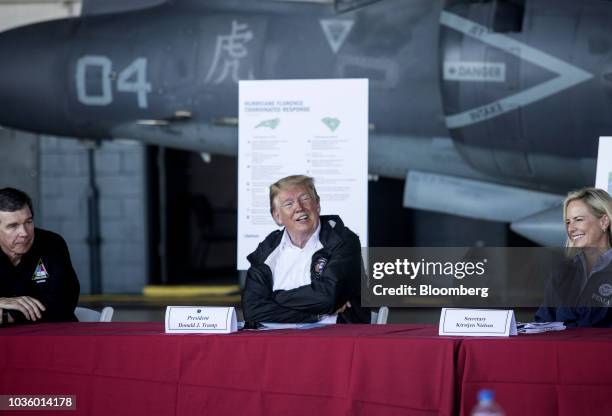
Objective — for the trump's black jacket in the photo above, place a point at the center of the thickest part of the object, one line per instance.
(335, 272)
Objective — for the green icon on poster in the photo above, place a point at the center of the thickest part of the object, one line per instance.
(271, 124)
(331, 123)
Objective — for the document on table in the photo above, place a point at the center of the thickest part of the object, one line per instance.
(538, 327)
(269, 326)
(273, 325)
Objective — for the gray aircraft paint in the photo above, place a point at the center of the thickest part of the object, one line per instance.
(230, 50)
(195, 51)
(453, 195)
(475, 71)
(569, 75)
(336, 31)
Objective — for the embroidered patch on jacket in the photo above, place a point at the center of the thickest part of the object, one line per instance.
(320, 266)
(41, 271)
(605, 290)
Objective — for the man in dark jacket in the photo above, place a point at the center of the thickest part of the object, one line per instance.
(308, 272)
(37, 281)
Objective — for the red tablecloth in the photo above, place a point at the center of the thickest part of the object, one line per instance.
(563, 373)
(134, 368)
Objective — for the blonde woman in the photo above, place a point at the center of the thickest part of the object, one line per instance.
(580, 294)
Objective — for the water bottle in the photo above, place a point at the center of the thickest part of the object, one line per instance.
(486, 405)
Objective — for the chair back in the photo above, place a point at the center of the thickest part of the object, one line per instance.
(380, 317)
(107, 314)
(90, 315)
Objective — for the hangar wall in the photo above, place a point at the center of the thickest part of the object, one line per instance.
(120, 178)
(19, 162)
(54, 172)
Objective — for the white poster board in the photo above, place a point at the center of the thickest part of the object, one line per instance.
(313, 127)
(603, 179)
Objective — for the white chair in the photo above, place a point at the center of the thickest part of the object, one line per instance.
(90, 315)
(380, 317)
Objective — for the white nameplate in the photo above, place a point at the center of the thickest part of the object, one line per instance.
(200, 320)
(477, 322)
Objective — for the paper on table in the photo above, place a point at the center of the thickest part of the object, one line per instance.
(477, 322)
(538, 327)
(273, 325)
(269, 326)
(200, 320)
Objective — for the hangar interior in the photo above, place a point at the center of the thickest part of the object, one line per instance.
(167, 217)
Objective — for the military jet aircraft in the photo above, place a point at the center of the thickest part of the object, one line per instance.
(487, 108)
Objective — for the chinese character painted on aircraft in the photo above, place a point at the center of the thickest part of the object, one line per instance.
(229, 52)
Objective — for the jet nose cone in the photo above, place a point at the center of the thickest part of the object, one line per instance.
(33, 76)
